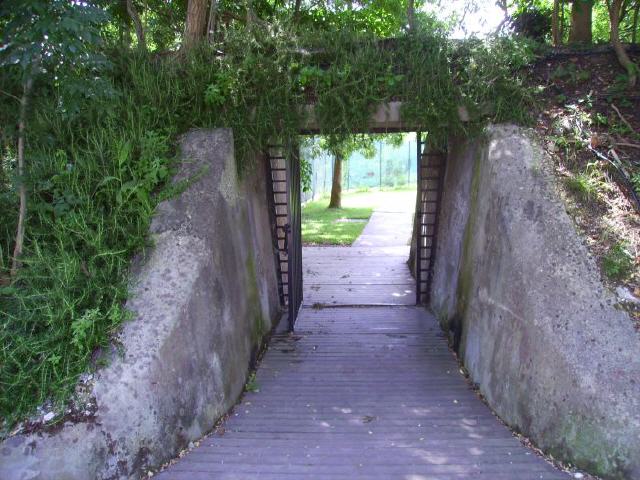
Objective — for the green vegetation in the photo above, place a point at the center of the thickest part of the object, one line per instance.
(332, 226)
(341, 148)
(582, 186)
(252, 384)
(341, 226)
(90, 116)
(617, 264)
(579, 23)
(93, 97)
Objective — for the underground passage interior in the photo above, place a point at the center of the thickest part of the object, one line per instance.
(358, 380)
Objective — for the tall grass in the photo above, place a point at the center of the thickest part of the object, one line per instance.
(94, 181)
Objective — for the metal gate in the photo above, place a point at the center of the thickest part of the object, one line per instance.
(431, 169)
(283, 186)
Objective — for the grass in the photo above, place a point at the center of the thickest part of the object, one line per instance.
(332, 226)
(583, 186)
(617, 264)
(92, 195)
(324, 226)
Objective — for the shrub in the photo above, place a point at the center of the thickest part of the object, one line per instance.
(617, 264)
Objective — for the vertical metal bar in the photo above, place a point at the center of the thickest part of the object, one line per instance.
(274, 225)
(295, 233)
(324, 180)
(380, 164)
(409, 163)
(290, 260)
(418, 260)
(346, 160)
(314, 172)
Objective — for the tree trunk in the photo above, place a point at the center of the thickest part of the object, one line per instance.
(196, 24)
(561, 21)
(296, 11)
(250, 14)
(137, 24)
(615, 8)
(125, 31)
(411, 15)
(336, 185)
(581, 14)
(634, 32)
(211, 25)
(22, 189)
(555, 24)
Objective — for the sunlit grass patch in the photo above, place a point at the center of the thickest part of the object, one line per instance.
(332, 226)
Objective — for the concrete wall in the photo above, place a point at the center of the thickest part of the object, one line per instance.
(203, 299)
(523, 299)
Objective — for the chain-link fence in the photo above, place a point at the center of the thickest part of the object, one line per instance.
(391, 167)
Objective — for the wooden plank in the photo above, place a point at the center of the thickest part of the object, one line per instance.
(359, 252)
(403, 294)
(361, 403)
(361, 392)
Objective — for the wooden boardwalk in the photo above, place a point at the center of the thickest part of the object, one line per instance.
(357, 276)
(360, 392)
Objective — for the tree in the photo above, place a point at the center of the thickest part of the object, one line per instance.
(49, 37)
(532, 21)
(382, 17)
(634, 25)
(336, 183)
(195, 24)
(135, 18)
(616, 10)
(556, 34)
(411, 14)
(581, 19)
(212, 22)
(341, 148)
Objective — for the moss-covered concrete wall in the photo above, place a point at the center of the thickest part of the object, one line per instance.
(527, 311)
(203, 298)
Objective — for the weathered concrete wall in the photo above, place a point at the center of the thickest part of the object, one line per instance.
(204, 297)
(536, 329)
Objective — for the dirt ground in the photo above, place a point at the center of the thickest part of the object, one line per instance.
(589, 119)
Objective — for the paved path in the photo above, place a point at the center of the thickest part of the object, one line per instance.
(361, 392)
(371, 272)
(357, 276)
(387, 227)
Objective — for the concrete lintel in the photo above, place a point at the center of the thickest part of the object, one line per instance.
(386, 118)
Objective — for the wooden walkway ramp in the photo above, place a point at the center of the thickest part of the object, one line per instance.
(360, 392)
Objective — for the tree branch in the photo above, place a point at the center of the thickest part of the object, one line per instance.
(614, 7)
(211, 25)
(137, 24)
(22, 189)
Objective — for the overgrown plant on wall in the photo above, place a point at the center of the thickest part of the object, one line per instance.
(100, 149)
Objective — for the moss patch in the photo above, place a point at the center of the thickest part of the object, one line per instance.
(259, 326)
(465, 277)
(584, 443)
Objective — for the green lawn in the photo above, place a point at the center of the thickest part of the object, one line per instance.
(323, 226)
(332, 226)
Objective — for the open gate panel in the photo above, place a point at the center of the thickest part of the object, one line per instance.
(284, 198)
(278, 206)
(431, 170)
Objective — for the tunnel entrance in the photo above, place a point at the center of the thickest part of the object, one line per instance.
(284, 197)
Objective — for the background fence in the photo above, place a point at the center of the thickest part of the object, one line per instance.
(391, 167)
